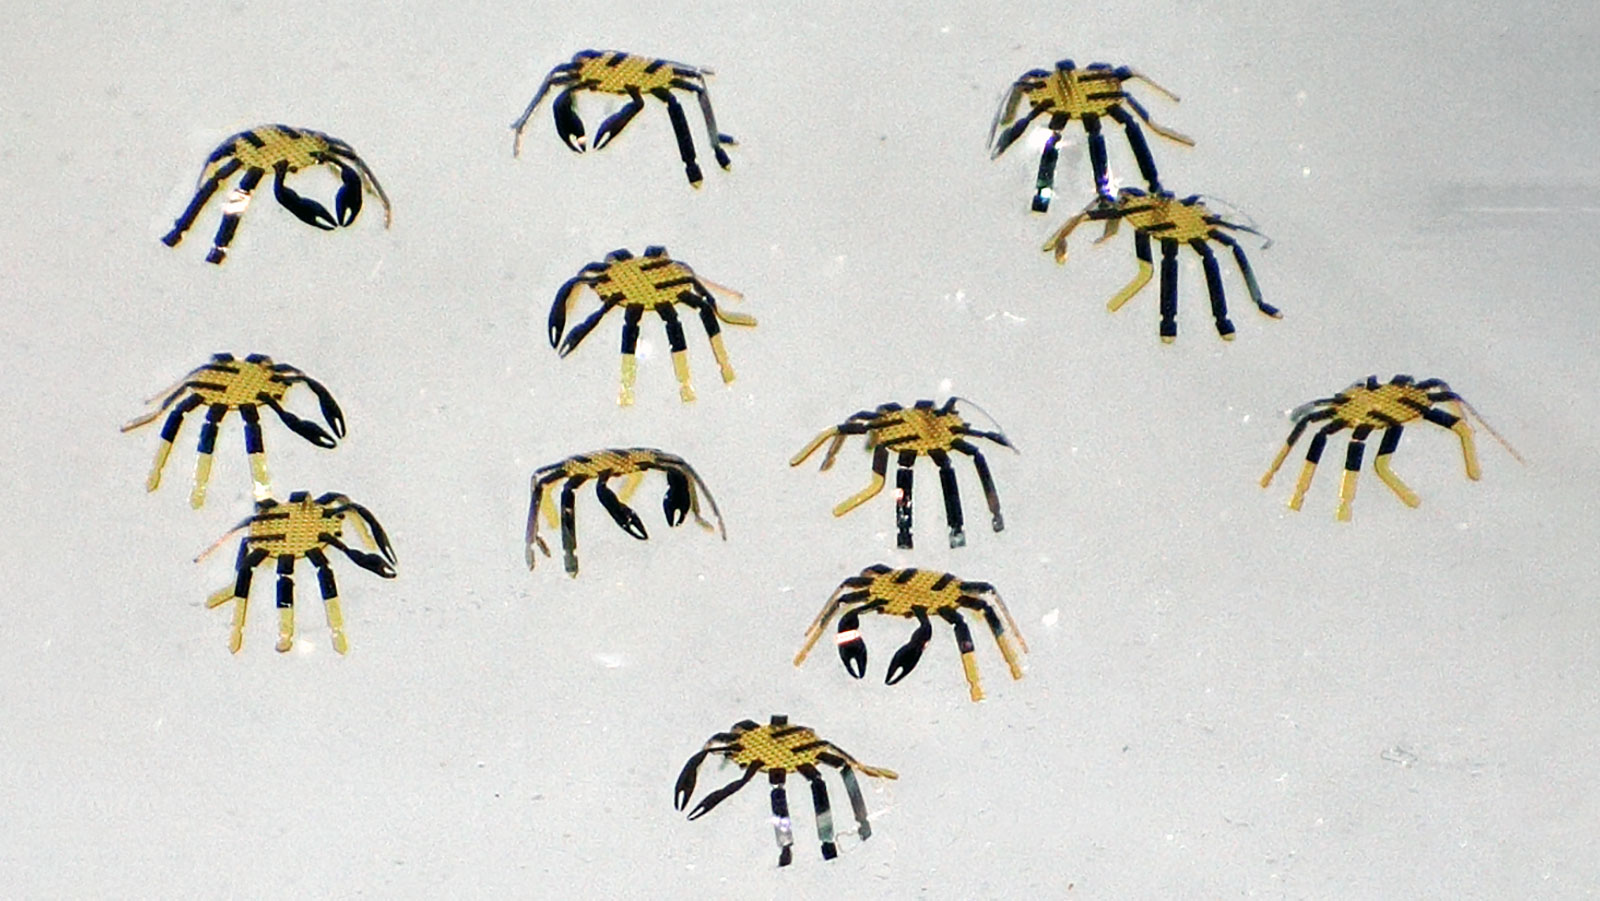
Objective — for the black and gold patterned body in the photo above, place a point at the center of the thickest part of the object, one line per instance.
(1362, 408)
(1066, 93)
(225, 384)
(283, 151)
(301, 527)
(915, 594)
(778, 749)
(920, 430)
(631, 76)
(1172, 221)
(654, 283)
(684, 488)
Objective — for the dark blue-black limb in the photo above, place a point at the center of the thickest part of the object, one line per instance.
(201, 196)
(952, 497)
(1169, 289)
(621, 513)
(680, 128)
(1045, 185)
(230, 218)
(819, 802)
(902, 500)
(1219, 299)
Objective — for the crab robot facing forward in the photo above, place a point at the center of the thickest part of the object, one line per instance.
(684, 488)
(296, 528)
(922, 429)
(915, 593)
(1364, 407)
(655, 283)
(778, 749)
(225, 384)
(1172, 221)
(1086, 94)
(627, 75)
(283, 151)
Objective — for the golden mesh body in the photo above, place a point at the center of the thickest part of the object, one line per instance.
(1167, 217)
(916, 430)
(616, 72)
(297, 149)
(1078, 91)
(644, 282)
(245, 387)
(777, 747)
(294, 528)
(901, 590)
(1387, 405)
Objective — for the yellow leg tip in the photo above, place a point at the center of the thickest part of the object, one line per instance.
(625, 398)
(1344, 513)
(285, 644)
(1295, 502)
(1168, 339)
(197, 497)
(153, 482)
(340, 644)
(235, 642)
(685, 393)
(1229, 336)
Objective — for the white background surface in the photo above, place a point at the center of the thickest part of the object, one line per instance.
(1224, 699)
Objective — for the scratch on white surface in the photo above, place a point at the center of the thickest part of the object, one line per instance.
(1050, 619)
(610, 661)
(1400, 755)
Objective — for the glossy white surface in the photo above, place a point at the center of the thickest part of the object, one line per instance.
(1224, 698)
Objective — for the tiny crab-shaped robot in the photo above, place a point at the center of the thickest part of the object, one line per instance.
(631, 76)
(653, 282)
(684, 488)
(922, 429)
(282, 151)
(1172, 221)
(1369, 405)
(913, 594)
(225, 384)
(1086, 94)
(300, 527)
(777, 749)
